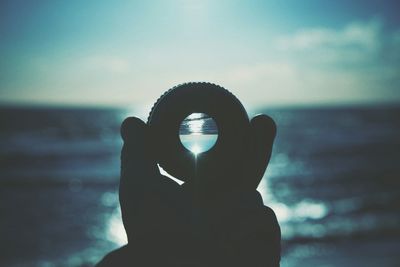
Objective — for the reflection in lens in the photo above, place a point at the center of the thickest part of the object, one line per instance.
(198, 132)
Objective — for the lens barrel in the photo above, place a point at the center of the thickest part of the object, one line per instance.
(174, 106)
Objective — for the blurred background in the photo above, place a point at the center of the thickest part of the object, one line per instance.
(326, 71)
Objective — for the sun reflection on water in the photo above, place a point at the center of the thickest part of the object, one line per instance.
(115, 229)
(306, 209)
(290, 216)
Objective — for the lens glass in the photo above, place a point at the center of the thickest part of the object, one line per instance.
(198, 132)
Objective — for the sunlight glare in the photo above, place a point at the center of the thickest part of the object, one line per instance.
(196, 149)
(116, 232)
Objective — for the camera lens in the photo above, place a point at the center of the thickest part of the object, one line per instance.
(199, 130)
(198, 133)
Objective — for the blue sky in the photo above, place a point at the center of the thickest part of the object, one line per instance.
(266, 52)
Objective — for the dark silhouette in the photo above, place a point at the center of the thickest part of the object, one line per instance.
(167, 226)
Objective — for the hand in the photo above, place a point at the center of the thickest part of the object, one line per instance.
(163, 226)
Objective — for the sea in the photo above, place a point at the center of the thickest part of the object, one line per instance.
(333, 182)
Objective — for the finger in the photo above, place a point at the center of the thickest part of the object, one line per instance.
(262, 135)
(138, 171)
(274, 232)
(132, 127)
(137, 155)
(146, 197)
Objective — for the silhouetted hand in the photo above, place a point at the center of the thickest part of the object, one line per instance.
(167, 227)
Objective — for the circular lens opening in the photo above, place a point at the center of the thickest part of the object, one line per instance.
(198, 132)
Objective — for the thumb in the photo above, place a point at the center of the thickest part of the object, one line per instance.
(139, 170)
(262, 135)
(136, 154)
(138, 164)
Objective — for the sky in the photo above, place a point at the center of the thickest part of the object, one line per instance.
(118, 53)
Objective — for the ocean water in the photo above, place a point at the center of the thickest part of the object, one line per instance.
(333, 181)
(198, 132)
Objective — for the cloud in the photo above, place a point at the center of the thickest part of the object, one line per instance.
(357, 42)
(357, 35)
(356, 63)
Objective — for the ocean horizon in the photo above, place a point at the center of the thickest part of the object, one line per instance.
(333, 182)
